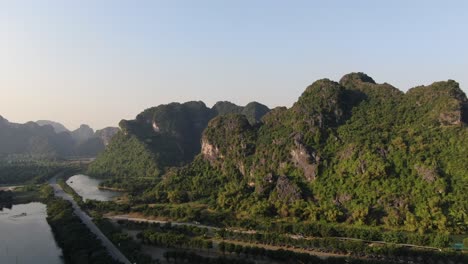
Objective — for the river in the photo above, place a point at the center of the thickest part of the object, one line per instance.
(87, 188)
(26, 237)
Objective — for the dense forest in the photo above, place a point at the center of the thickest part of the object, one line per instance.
(353, 152)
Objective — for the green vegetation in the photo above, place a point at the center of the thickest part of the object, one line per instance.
(129, 247)
(105, 206)
(78, 244)
(6, 199)
(190, 257)
(353, 159)
(169, 236)
(20, 195)
(66, 188)
(138, 161)
(291, 256)
(193, 237)
(355, 152)
(161, 137)
(27, 194)
(33, 172)
(352, 247)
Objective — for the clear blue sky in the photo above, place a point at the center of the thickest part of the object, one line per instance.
(97, 62)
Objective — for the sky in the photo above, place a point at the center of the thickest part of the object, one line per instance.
(100, 61)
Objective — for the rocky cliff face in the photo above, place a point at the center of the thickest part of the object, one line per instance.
(229, 138)
(209, 151)
(307, 160)
(106, 134)
(286, 191)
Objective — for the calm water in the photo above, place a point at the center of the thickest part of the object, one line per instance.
(27, 239)
(87, 188)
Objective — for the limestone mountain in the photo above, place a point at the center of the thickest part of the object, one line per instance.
(253, 111)
(31, 140)
(57, 126)
(162, 137)
(83, 133)
(353, 151)
(50, 140)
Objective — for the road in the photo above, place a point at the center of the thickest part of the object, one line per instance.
(211, 228)
(131, 219)
(111, 248)
(10, 188)
(158, 251)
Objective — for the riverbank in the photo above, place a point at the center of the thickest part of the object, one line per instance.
(78, 243)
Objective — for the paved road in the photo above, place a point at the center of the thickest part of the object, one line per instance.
(157, 252)
(10, 188)
(113, 250)
(211, 228)
(132, 219)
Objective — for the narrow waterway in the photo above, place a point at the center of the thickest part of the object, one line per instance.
(26, 237)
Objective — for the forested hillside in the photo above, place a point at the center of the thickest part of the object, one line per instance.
(353, 152)
(162, 137)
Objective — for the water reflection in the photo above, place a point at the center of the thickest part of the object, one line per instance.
(87, 188)
(26, 237)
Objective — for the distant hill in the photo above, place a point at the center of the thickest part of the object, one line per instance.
(83, 133)
(57, 126)
(46, 139)
(164, 136)
(31, 140)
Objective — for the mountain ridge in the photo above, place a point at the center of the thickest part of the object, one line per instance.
(353, 151)
(167, 135)
(45, 139)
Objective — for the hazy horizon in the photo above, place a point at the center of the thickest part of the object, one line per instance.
(97, 62)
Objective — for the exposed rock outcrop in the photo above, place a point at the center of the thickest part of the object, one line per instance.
(286, 190)
(301, 158)
(106, 134)
(443, 102)
(426, 173)
(209, 151)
